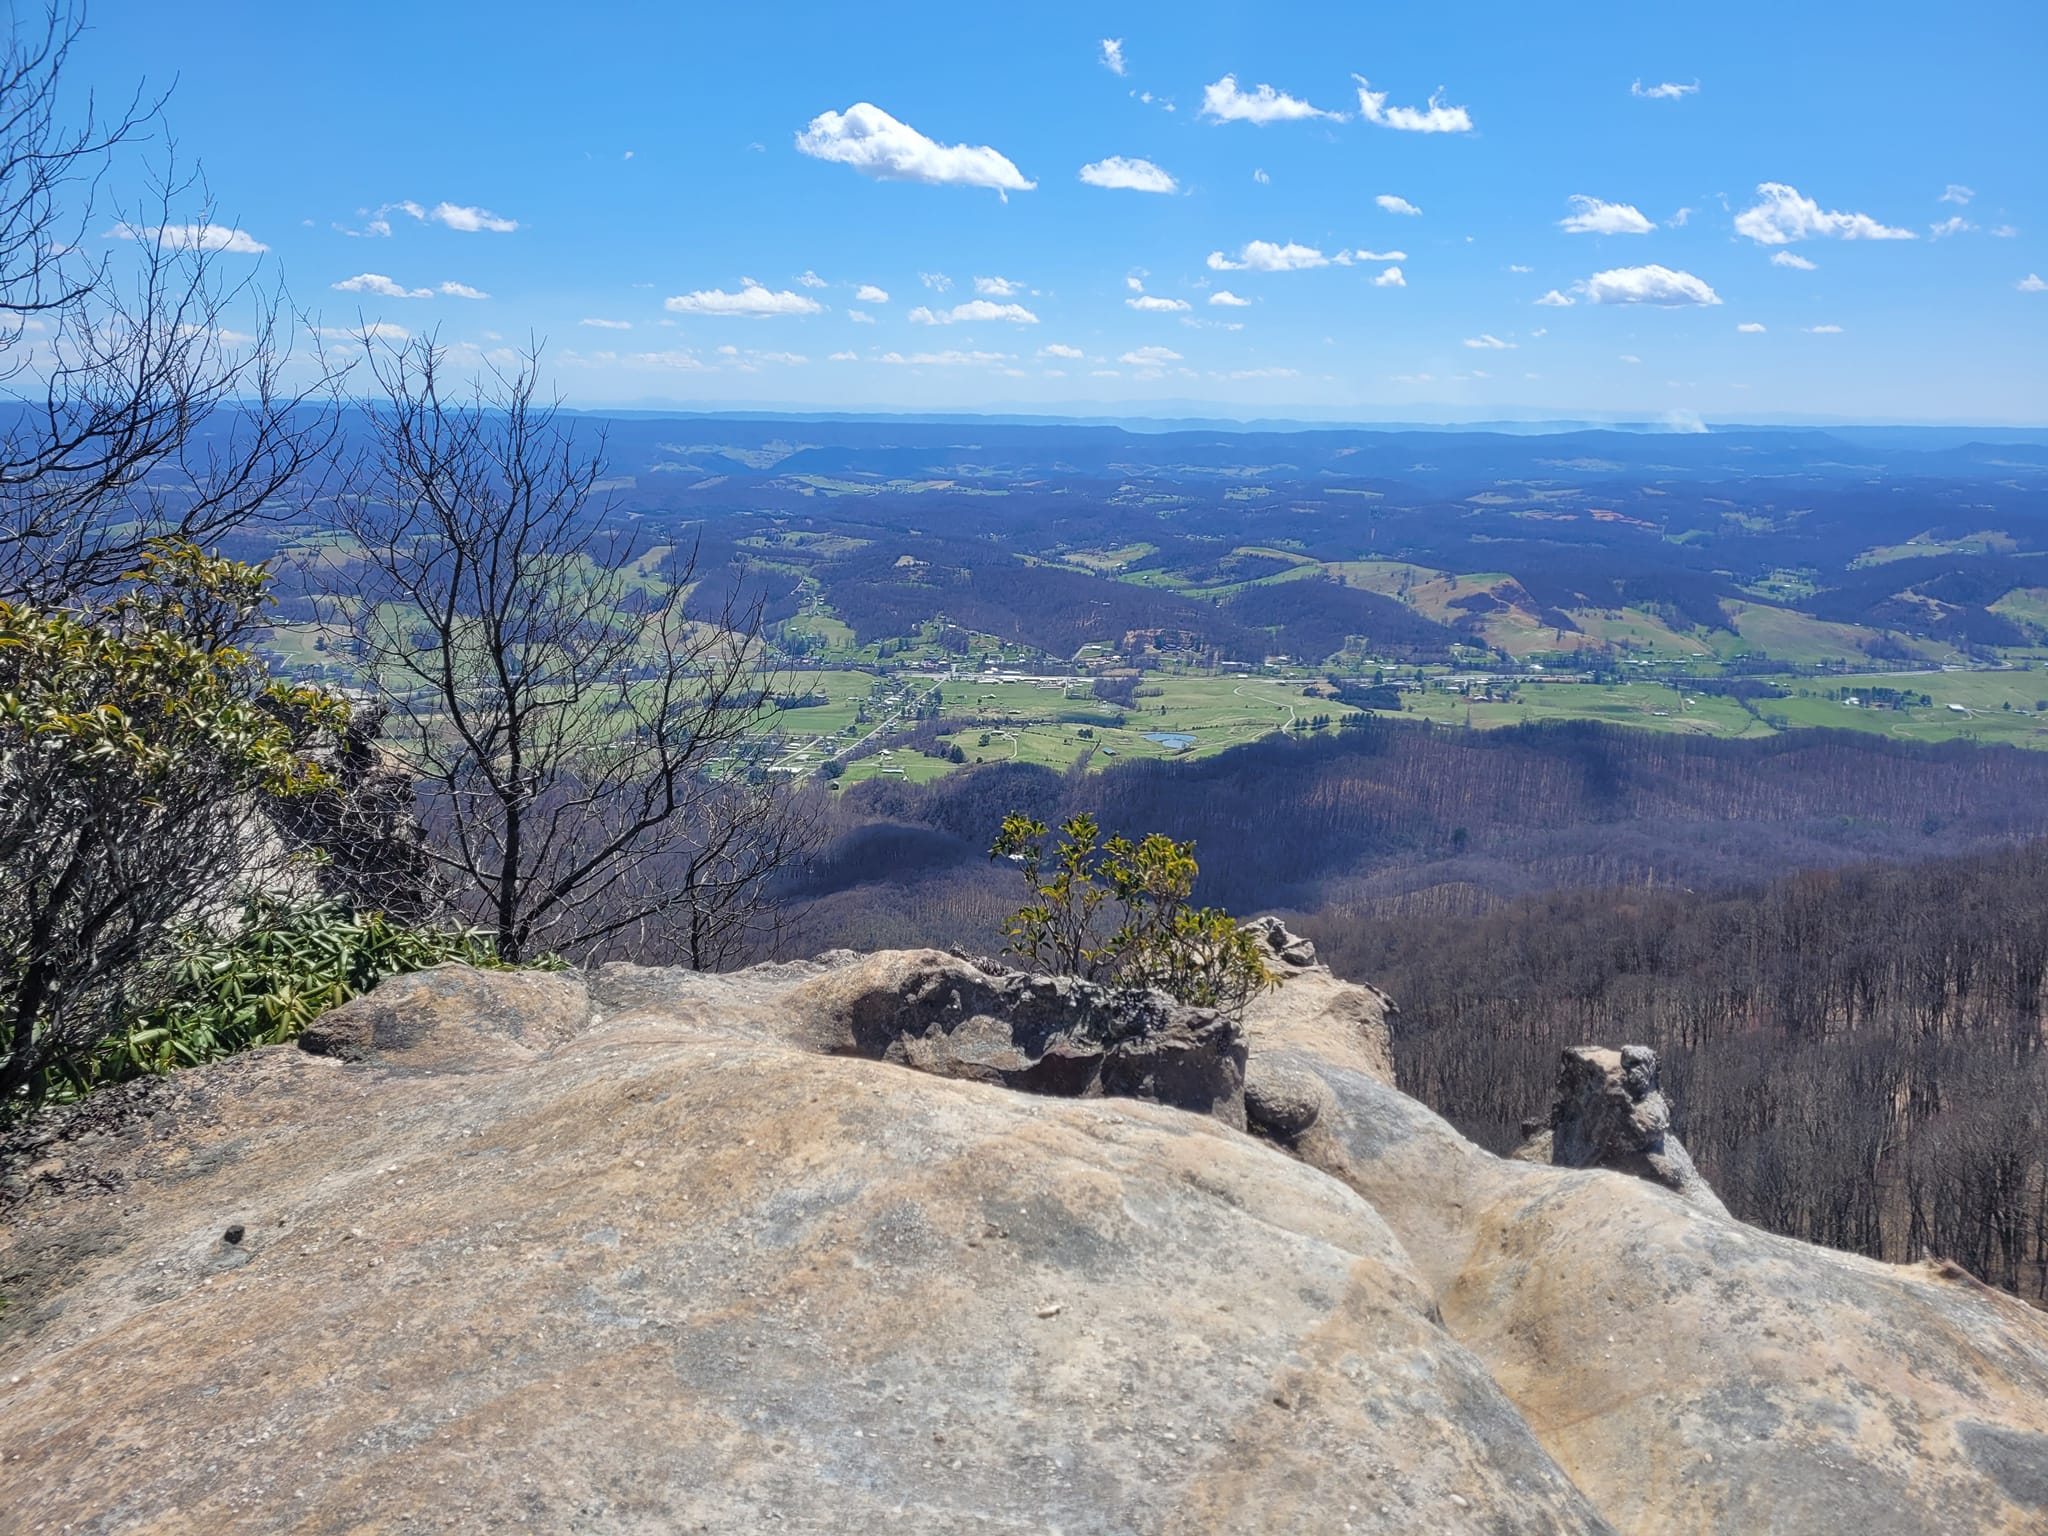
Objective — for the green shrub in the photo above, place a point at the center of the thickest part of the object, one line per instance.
(1119, 912)
(261, 983)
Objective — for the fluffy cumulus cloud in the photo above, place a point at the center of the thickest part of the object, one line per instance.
(997, 287)
(1668, 91)
(1556, 300)
(1124, 175)
(1488, 342)
(382, 286)
(1394, 204)
(938, 282)
(1113, 55)
(1782, 216)
(1791, 259)
(1225, 299)
(1152, 304)
(2031, 283)
(860, 317)
(193, 237)
(1224, 102)
(1954, 225)
(843, 357)
(1149, 357)
(1265, 256)
(868, 293)
(470, 221)
(1590, 216)
(876, 144)
(1647, 285)
(1822, 330)
(1434, 118)
(973, 309)
(462, 291)
(1391, 278)
(811, 280)
(1058, 349)
(752, 300)
(609, 325)
(1956, 193)
(1750, 328)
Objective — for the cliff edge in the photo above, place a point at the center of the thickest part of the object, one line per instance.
(904, 1242)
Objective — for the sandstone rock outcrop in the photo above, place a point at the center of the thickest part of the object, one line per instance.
(1608, 1112)
(697, 1253)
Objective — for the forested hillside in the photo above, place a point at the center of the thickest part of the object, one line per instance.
(1857, 1057)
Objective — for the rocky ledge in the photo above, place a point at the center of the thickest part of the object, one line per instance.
(788, 1249)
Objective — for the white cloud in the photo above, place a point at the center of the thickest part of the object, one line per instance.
(1394, 204)
(938, 282)
(193, 237)
(1954, 225)
(996, 287)
(376, 331)
(1647, 285)
(1541, 330)
(1152, 304)
(1791, 259)
(1265, 256)
(1750, 328)
(1435, 118)
(1668, 91)
(469, 220)
(1135, 281)
(1150, 357)
(1681, 218)
(876, 144)
(1514, 268)
(1104, 373)
(1227, 104)
(1556, 300)
(752, 300)
(811, 279)
(868, 293)
(860, 317)
(1261, 177)
(382, 286)
(1113, 55)
(1488, 342)
(2003, 231)
(609, 325)
(843, 357)
(1822, 330)
(1590, 216)
(1380, 255)
(973, 309)
(463, 291)
(1122, 175)
(948, 359)
(1784, 216)
(1057, 349)
(1391, 278)
(1228, 300)
(1959, 195)
(1261, 373)
(1628, 357)
(2031, 283)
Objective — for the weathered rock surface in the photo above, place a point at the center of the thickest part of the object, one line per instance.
(696, 1253)
(1608, 1112)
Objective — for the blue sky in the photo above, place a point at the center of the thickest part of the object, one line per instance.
(652, 162)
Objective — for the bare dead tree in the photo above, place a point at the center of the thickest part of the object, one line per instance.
(581, 743)
(145, 391)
